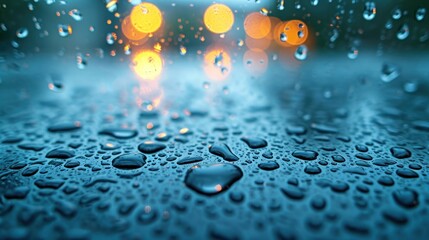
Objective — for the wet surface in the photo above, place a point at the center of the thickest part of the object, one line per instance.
(220, 164)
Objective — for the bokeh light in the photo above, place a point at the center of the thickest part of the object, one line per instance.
(257, 26)
(217, 64)
(296, 32)
(146, 17)
(218, 18)
(148, 65)
(130, 32)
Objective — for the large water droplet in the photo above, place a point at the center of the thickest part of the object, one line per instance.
(212, 179)
(369, 11)
(129, 161)
(222, 150)
(149, 147)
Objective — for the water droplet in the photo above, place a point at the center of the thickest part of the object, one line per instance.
(403, 32)
(406, 173)
(301, 53)
(369, 11)
(386, 181)
(305, 154)
(212, 179)
(60, 153)
(65, 127)
(188, 160)
(120, 133)
(22, 33)
(268, 165)
(353, 53)
(129, 161)
(407, 198)
(222, 150)
(293, 192)
(396, 14)
(312, 169)
(389, 72)
(149, 147)
(420, 14)
(17, 192)
(81, 61)
(64, 30)
(283, 37)
(111, 38)
(75, 14)
(411, 87)
(399, 152)
(254, 142)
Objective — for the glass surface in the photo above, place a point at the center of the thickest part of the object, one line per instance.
(241, 119)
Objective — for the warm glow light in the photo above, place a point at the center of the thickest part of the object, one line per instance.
(255, 61)
(146, 18)
(130, 32)
(148, 65)
(217, 64)
(218, 18)
(296, 32)
(257, 26)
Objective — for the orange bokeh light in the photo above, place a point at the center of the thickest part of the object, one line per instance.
(217, 64)
(296, 32)
(218, 18)
(257, 26)
(146, 17)
(147, 65)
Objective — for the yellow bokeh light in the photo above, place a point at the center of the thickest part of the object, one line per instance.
(257, 26)
(217, 64)
(130, 32)
(218, 18)
(148, 65)
(146, 18)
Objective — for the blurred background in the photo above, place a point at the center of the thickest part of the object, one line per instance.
(57, 45)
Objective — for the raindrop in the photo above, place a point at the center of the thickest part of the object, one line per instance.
(301, 53)
(22, 33)
(403, 32)
(389, 72)
(254, 142)
(369, 11)
(399, 152)
(120, 133)
(305, 154)
(222, 150)
(269, 165)
(64, 30)
(283, 37)
(353, 53)
(410, 87)
(149, 147)
(110, 38)
(420, 14)
(396, 14)
(75, 14)
(407, 198)
(212, 179)
(129, 161)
